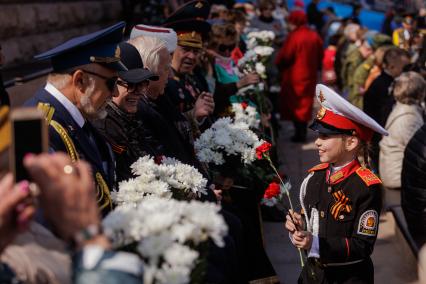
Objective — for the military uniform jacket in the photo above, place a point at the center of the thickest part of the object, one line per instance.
(67, 136)
(343, 211)
(184, 89)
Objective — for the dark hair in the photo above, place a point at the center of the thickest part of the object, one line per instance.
(334, 39)
(220, 32)
(236, 16)
(264, 4)
(393, 54)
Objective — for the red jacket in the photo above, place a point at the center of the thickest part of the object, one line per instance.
(299, 59)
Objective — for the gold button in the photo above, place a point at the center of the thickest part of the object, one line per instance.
(322, 214)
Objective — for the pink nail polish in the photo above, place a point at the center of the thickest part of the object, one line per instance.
(24, 186)
(28, 155)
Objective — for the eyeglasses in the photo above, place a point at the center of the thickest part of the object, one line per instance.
(132, 87)
(110, 82)
(224, 47)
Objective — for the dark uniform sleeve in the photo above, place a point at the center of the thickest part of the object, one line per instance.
(360, 244)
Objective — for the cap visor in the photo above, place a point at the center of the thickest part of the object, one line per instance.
(137, 75)
(117, 66)
(323, 128)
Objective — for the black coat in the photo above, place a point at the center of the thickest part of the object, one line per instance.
(348, 214)
(129, 138)
(413, 178)
(169, 127)
(378, 103)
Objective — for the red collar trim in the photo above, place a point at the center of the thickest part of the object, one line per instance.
(342, 174)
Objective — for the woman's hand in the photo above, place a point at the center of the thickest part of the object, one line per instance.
(67, 192)
(249, 79)
(16, 209)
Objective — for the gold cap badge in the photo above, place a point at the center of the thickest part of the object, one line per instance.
(321, 113)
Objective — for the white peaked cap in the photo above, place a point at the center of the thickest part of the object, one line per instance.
(166, 34)
(341, 114)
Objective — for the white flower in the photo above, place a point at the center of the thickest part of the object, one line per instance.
(260, 68)
(173, 275)
(162, 228)
(263, 51)
(152, 247)
(179, 255)
(158, 180)
(248, 115)
(226, 137)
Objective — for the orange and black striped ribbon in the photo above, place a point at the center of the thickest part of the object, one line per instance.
(340, 205)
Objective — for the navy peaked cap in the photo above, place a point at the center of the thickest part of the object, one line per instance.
(98, 47)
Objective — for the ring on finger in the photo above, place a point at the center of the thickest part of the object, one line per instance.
(68, 169)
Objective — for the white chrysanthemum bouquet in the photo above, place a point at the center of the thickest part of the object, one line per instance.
(246, 113)
(260, 38)
(170, 236)
(225, 140)
(258, 54)
(168, 178)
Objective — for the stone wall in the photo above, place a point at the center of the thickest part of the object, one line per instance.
(29, 27)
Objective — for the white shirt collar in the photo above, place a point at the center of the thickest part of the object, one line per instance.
(335, 169)
(68, 105)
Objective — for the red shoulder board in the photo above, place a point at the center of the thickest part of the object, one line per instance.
(319, 167)
(367, 176)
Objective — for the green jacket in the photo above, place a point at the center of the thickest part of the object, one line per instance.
(356, 88)
(352, 61)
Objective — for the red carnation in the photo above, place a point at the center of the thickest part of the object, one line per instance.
(273, 190)
(262, 149)
(244, 105)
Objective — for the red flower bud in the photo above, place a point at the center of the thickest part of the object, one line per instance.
(273, 190)
(262, 149)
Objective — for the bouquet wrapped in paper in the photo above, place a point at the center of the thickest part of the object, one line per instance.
(166, 178)
(169, 235)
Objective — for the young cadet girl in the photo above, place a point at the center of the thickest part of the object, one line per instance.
(341, 200)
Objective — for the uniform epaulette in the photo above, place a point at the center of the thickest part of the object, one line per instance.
(47, 110)
(368, 177)
(319, 167)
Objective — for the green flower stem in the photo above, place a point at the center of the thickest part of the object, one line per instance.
(302, 263)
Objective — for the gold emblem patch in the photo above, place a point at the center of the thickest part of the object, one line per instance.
(321, 113)
(199, 5)
(368, 223)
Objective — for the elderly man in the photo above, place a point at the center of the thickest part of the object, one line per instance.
(186, 86)
(84, 78)
(128, 135)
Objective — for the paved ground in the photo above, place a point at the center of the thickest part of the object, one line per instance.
(392, 263)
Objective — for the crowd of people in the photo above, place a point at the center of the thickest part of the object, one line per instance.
(206, 87)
